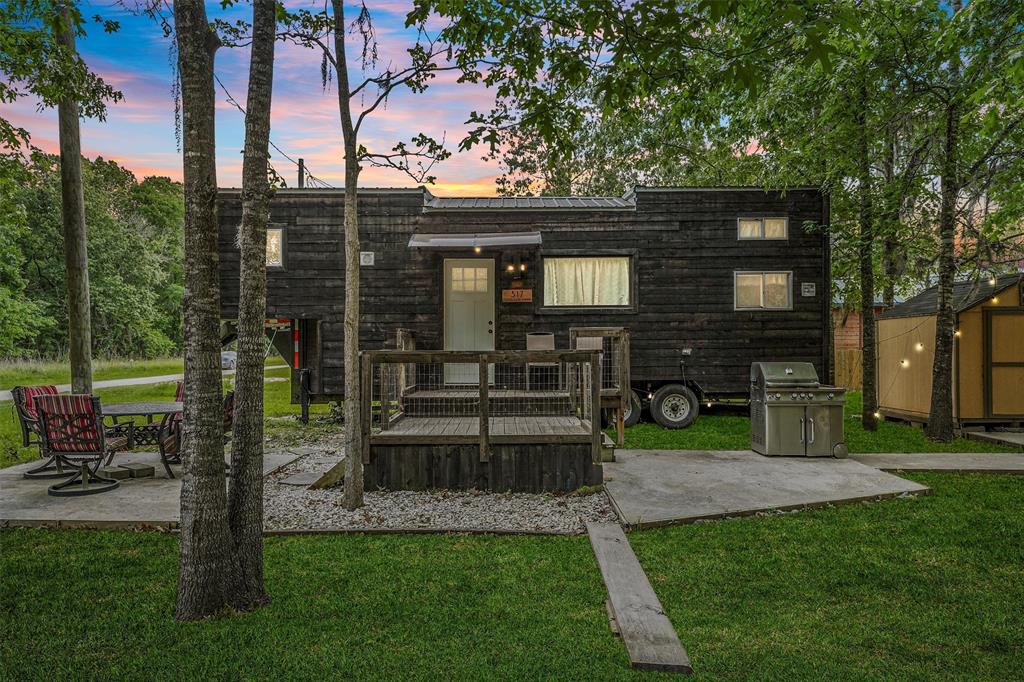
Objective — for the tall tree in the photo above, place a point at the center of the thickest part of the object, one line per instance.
(325, 31)
(207, 567)
(76, 250)
(245, 491)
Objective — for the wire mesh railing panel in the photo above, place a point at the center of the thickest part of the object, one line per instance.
(432, 395)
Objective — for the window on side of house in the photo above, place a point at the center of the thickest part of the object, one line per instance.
(275, 247)
(587, 281)
(763, 290)
(762, 228)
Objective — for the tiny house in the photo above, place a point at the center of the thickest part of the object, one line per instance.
(988, 353)
(705, 280)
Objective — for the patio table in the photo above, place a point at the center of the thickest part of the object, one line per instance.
(142, 434)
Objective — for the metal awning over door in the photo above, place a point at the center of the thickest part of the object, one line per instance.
(473, 240)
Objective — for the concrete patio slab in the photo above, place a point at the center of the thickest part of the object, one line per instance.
(139, 503)
(963, 462)
(1013, 439)
(663, 487)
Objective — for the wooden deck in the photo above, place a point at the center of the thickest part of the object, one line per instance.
(455, 430)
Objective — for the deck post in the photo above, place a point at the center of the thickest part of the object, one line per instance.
(366, 390)
(595, 405)
(485, 412)
(625, 390)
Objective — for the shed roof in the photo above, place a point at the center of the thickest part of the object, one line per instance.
(965, 295)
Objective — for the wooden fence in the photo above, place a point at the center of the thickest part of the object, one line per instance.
(849, 370)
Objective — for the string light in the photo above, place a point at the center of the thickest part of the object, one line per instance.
(919, 347)
(511, 268)
(956, 333)
(878, 415)
(992, 281)
(995, 299)
(904, 363)
(477, 249)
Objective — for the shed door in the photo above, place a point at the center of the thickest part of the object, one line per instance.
(468, 313)
(1005, 370)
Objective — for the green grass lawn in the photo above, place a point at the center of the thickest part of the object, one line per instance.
(40, 373)
(728, 428)
(918, 588)
(276, 396)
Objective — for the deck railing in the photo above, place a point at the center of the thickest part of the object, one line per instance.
(615, 373)
(435, 397)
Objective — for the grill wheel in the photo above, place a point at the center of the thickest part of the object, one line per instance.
(674, 406)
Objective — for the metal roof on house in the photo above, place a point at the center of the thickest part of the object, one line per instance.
(432, 203)
(965, 295)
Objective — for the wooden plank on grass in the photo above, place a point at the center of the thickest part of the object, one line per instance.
(650, 639)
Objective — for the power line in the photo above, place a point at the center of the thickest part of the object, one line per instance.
(311, 180)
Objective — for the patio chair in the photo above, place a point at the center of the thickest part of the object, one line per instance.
(541, 341)
(72, 432)
(28, 418)
(179, 392)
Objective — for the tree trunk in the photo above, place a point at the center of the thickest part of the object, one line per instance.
(866, 257)
(891, 255)
(940, 419)
(76, 252)
(352, 466)
(206, 567)
(245, 489)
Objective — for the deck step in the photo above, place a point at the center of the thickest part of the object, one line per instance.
(650, 639)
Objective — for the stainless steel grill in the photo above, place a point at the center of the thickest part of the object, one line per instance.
(792, 414)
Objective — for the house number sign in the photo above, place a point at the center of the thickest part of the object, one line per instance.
(517, 295)
(807, 289)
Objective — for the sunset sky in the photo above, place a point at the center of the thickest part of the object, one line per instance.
(139, 131)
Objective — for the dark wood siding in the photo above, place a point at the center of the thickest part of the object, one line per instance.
(685, 249)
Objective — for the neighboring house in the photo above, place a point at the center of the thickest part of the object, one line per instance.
(846, 327)
(988, 357)
(707, 281)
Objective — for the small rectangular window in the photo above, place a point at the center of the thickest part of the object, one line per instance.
(275, 247)
(762, 228)
(763, 290)
(587, 281)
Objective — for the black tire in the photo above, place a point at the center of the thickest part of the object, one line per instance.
(674, 406)
(632, 416)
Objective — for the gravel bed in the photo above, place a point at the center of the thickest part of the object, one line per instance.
(296, 508)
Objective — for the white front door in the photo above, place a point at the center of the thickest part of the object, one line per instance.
(468, 313)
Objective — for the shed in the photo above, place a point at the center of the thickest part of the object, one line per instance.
(988, 353)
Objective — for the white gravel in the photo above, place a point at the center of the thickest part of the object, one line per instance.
(296, 508)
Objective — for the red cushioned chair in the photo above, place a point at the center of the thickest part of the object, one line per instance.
(31, 427)
(72, 433)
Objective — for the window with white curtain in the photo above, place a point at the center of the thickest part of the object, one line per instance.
(275, 248)
(762, 228)
(763, 290)
(582, 281)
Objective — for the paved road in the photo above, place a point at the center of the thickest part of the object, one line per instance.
(133, 381)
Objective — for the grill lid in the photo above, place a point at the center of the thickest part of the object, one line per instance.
(783, 374)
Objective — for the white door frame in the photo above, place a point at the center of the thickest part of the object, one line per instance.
(458, 373)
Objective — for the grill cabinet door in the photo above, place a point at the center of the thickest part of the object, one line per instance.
(817, 428)
(785, 430)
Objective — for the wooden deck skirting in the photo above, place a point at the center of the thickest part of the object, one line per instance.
(635, 614)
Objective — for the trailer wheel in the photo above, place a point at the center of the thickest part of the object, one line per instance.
(674, 406)
(633, 408)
